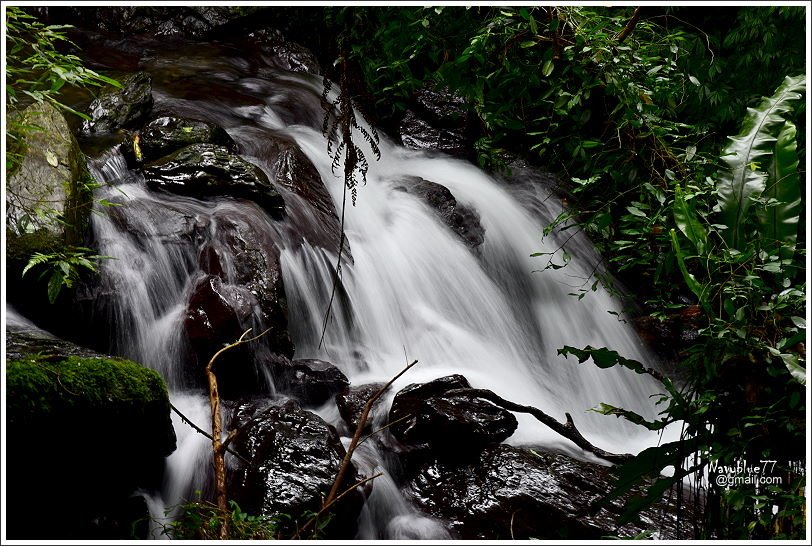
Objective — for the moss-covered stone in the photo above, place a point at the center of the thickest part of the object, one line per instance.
(77, 387)
(83, 426)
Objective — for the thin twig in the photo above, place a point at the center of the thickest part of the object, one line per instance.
(326, 507)
(342, 470)
(217, 446)
(386, 426)
(206, 434)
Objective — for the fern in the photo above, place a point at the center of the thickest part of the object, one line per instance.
(745, 178)
(64, 267)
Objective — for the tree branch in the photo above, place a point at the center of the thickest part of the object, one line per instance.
(567, 430)
(629, 25)
(326, 507)
(217, 446)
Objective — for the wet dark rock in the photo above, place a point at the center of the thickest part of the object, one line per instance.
(294, 458)
(121, 108)
(154, 21)
(462, 220)
(167, 134)
(55, 391)
(216, 315)
(149, 221)
(351, 402)
(249, 257)
(293, 57)
(438, 120)
(293, 170)
(419, 134)
(242, 289)
(442, 108)
(426, 416)
(203, 170)
(313, 382)
(673, 333)
(216, 310)
(509, 493)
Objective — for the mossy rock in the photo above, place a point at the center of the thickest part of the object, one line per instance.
(91, 428)
(44, 393)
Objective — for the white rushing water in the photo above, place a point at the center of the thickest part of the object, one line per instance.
(413, 290)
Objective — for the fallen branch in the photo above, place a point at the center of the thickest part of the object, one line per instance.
(567, 430)
(356, 437)
(219, 447)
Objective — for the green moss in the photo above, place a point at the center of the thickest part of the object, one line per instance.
(38, 389)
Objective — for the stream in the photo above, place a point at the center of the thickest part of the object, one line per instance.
(411, 288)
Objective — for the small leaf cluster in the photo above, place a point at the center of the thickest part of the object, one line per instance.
(202, 520)
(63, 268)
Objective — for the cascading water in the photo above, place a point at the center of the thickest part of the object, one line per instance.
(410, 290)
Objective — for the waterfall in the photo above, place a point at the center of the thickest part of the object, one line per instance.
(412, 289)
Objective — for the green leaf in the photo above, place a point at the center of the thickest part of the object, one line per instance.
(690, 280)
(800, 322)
(55, 285)
(778, 224)
(688, 223)
(636, 418)
(797, 371)
(547, 68)
(637, 212)
(739, 182)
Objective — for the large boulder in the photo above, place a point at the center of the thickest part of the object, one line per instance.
(311, 214)
(241, 287)
(510, 493)
(121, 108)
(462, 220)
(313, 382)
(427, 416)
(419, 134)
(442, 107)
(121, 414)
(294, 457)
(217, 310)
(292, 57)
(166, 134)
(203, 170)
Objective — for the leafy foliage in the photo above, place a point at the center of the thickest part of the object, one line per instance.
(201, 520)
(749, 345)
(744, 178)
(36, 68)
(63, 268)
(37, 71)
